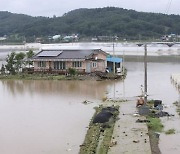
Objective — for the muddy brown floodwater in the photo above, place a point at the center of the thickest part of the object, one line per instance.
(48, 116)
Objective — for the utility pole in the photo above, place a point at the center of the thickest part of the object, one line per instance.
(145, 73)
(123, 68)
(114, 71)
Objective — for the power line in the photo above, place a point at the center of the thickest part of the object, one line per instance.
(168, 6)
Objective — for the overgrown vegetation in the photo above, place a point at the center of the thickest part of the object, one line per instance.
(107, 21)
(154, 128)
(177, 104)
(72, 71)
(155, 124)
(15, 62)
(24, 76)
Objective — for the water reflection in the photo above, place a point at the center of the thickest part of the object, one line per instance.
(90, 89)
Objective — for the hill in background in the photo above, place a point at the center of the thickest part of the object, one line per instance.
(109, 21)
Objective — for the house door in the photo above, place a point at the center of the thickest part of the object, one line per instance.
(88, 67)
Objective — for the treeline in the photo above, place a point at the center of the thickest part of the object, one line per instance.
(107, 21)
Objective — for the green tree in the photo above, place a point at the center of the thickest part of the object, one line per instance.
(10, 60)
(29, 55)
(19, 61)
(2, 69)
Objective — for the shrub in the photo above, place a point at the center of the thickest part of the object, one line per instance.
(155, 124)
(72, 71)
(170, 131)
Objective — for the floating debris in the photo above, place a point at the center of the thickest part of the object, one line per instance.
(136, 141)
(87, 102)
(142, 121)
(163, 114)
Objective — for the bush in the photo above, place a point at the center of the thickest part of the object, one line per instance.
(72, 71)
(155, 124)
(170, 131)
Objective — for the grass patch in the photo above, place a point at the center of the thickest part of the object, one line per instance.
(151, 102)
(178, 110)
(24, 76)
(177, 104)
(170, 131)
(104, 146)
(155, 124)
(98, 137)
(91, 140)
(92, 137)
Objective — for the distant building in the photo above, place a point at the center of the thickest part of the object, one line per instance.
(71, 38)
(56, 37)
(2, 38)
(59, 61)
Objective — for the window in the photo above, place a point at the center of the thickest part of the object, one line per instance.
(41, 64)
(77, 64)
(59, 65)
(94, 64)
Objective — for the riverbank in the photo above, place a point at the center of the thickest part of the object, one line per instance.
(92, 76)
(43, 76)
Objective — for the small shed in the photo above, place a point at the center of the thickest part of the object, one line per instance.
(114, 60)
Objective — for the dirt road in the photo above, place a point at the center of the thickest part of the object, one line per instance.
(131, 137)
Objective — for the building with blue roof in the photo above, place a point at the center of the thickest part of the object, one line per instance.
(114, 60)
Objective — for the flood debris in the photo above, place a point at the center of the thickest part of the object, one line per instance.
(144, 110)
(163, 114)
(156, 109)
(142, 121)
(116, 100)
(136, 141)
(113, 143)
(102, 117)
(87, 102)
(157, 103)
(140, 102)
(152, 111)
(105, 115)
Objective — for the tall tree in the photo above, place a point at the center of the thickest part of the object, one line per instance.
(10, 63)
(29, 55)
(19, 61)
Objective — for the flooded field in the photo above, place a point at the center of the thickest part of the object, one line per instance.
(45, 116)
(120, 48)
(49, 116)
